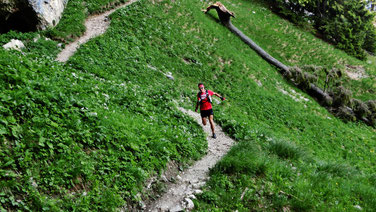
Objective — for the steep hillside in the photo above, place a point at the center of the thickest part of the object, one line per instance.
(86, 135)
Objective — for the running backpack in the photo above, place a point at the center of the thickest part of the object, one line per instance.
(207, 96)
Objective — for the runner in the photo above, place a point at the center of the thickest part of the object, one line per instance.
(205, 101)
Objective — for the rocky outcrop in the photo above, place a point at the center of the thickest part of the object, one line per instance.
(30, 15)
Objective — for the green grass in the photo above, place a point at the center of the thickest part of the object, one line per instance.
(85, 135)
(294, 47)
(72, 23)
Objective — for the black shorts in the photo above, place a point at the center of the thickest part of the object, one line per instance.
(206, 113)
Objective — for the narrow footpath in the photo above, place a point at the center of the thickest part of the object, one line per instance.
(95, 26)
(179, 195)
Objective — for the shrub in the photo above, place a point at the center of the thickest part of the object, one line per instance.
(341, 96)
(360, 108)
(243, 158)
(285, 149)
(348, 24)
(345, 113)
(336, 169)
(371, 104)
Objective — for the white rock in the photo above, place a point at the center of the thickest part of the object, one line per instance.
(170, 77)
(198, 191)
(199, 185)
(189, 203)
(176, 208)
(164, 179)
(358, 207)
(49, 12)
(192, 196)
(14, 44)
(179, 178)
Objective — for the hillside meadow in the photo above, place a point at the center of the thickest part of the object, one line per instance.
(88, 134)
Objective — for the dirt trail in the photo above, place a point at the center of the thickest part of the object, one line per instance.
(178, 196)
(95, 25)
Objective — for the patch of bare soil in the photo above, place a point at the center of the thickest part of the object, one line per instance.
(179, 194)
(95, 25)
(355, 72)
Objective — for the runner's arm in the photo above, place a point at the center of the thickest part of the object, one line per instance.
(197, 103)
(221, 97)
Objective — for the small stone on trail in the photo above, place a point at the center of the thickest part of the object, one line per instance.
(178, 178)
(199, 185)
(192, 196)
(176, 208)
(198, 191)
(189, 203)
(164, 179)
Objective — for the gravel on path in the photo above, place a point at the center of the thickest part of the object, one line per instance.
(179, 194)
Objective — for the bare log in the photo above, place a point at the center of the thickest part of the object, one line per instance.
(224, 15)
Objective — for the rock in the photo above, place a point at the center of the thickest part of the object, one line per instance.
(198, 185)
(176, 208)
(358, 207)
(14, 44)
(49, 11)
(189, 203)
(192, 196)
(142, 205)
(198, 191)
(169, 75)
(30, 15)
(164, 178)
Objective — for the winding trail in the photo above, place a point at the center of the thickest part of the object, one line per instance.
(95, 26)
(179, 194)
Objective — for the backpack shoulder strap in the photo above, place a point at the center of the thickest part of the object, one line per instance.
(208, 96)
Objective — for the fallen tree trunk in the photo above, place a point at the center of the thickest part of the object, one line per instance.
(224, 16)
(255, 47)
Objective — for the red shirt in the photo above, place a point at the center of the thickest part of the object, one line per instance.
(205, 104)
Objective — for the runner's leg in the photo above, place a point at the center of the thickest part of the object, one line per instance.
(211, 123)
(203, 120)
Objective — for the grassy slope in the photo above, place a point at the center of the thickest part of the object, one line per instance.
(74, 139)
(266, 117)
(112, 90)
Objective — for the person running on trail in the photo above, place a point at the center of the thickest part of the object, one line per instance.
(205, 101)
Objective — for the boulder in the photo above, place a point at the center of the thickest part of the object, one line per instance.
(30, 15)
(14, 44)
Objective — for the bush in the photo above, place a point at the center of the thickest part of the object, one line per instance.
(285, 149)
(348, 24)
(360, 108)
(371, 104)
(342, 96)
